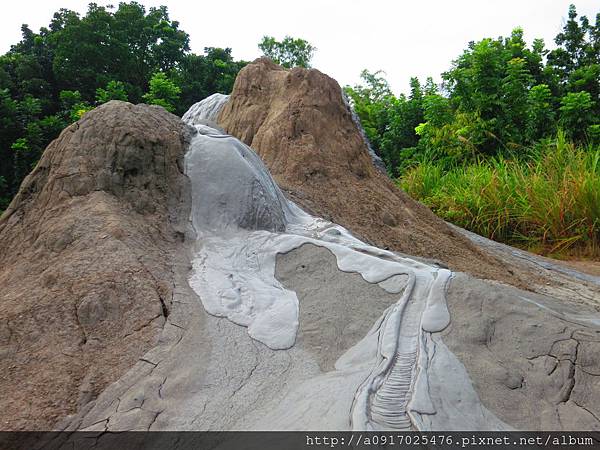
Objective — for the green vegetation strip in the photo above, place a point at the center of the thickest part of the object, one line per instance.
(547, 201)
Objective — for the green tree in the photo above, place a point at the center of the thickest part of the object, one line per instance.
(576, 113)
(22, 157)
(499, 97)
(399, 139)
(4, 200)
(290, 52)
(576, 60)
(389, 121)
(73, 106)
(371, 100)
(115, 90)
(513, 97)
(163, 92)
(572, 51)
(129, 44)
(51, 78)
(9, 132)
(202, 75)
(540, 114)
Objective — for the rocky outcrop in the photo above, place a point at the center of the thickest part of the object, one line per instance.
(301, 127)
(86, 254)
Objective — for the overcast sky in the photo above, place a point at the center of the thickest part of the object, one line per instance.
(402, 38)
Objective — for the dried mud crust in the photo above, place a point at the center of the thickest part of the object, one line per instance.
(299, 124)
(587, 266)
(85, 251)
(534, 360)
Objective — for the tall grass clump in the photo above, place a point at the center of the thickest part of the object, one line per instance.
(547, 201)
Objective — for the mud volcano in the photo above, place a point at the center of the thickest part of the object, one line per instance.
(249, 268)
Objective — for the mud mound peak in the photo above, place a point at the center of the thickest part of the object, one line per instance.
(298, 122)
(84, 259)
(300, 125)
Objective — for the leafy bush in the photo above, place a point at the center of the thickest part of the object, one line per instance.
(163, 92)
(115, 90)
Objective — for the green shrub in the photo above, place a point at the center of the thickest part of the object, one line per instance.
(163, 92)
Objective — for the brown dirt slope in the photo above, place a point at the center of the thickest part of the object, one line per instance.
(84, 260)
(299, 124)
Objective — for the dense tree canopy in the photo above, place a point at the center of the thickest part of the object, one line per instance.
(499, 97)
(126, 45)
(199, 76)
(51, 78)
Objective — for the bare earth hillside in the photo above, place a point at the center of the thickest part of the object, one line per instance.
(85, 260)
(301, 127)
